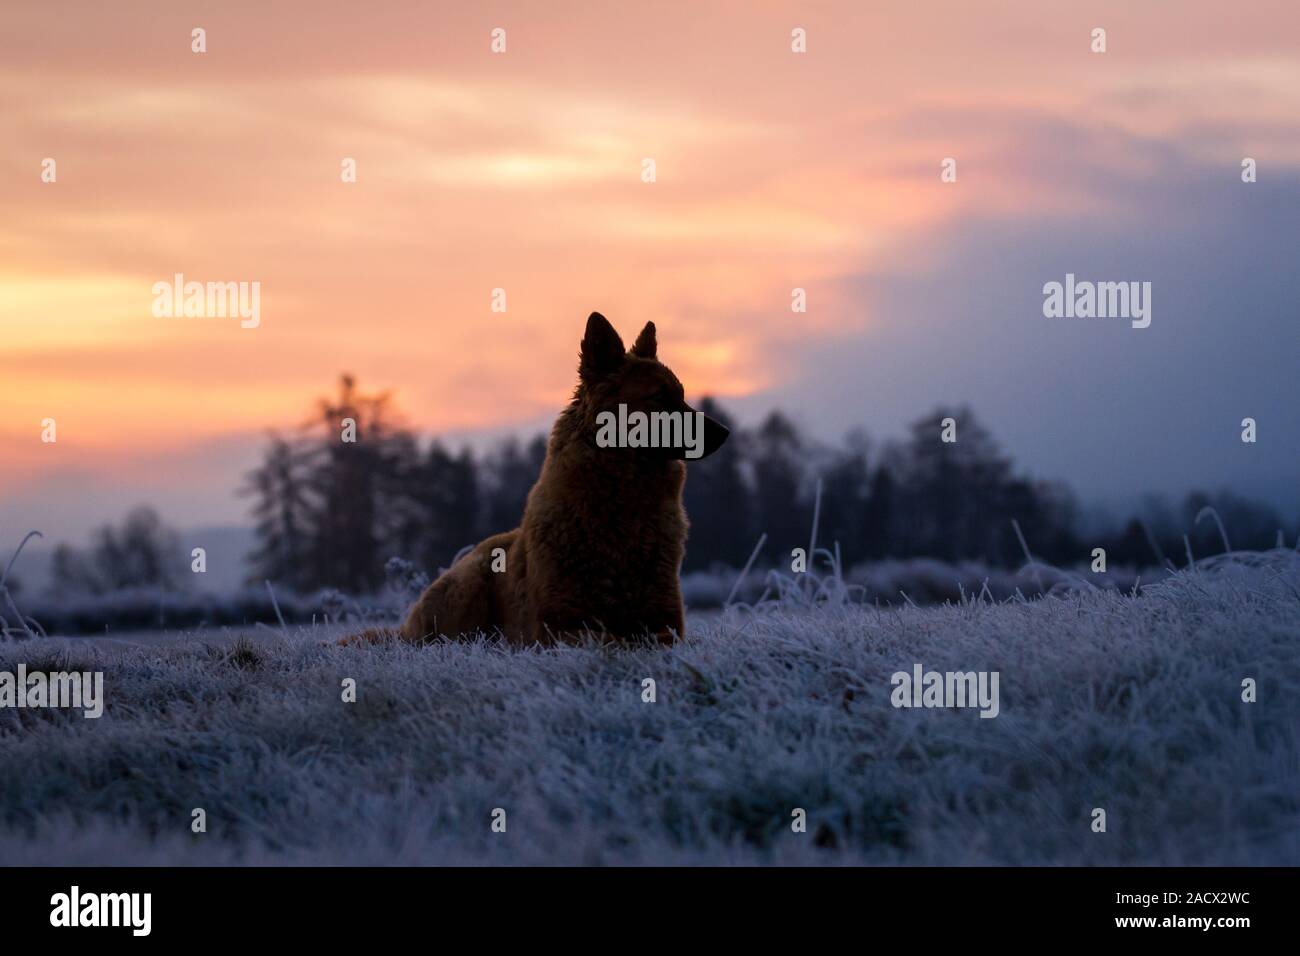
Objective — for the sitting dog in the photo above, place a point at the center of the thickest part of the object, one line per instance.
(604, 531)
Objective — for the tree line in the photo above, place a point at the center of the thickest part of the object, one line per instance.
(335, 499)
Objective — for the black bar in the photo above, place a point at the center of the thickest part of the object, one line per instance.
(333, 905)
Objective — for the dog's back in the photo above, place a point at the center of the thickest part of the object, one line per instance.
(470, 597)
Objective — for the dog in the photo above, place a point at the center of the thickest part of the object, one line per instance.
(603, 535)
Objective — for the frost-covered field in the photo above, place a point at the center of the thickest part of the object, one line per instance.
(1130, 704)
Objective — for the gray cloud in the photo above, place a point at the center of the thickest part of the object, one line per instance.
(1115, 411)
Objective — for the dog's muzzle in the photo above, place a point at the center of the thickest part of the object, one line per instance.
(715, 433)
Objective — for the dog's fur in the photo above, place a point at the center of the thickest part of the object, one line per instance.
(603, 532)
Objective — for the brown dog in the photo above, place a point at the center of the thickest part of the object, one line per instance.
(604, 531)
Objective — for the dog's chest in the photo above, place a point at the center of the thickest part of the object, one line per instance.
(602, 539)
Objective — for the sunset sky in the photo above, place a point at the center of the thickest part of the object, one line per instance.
(522, 171)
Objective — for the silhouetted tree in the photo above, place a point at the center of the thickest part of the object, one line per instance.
(776, 454)
(956, 499)
(345, 546)
(403, 495)
(1049, 518)
(511, 471)
(718, 501)
(878, 515)
(282, 514)
(1132, 547)
(331, 503)
(846, 484)
(71, 571)
(143, 552)
(451, 500)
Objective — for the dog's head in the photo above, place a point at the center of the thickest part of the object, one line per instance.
(622, 390)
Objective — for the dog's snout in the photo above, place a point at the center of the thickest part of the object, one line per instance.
(715, 433)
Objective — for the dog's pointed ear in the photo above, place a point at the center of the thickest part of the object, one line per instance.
(646, 346)
(602, 349)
